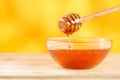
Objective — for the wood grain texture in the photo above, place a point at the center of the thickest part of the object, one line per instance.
(42, 66)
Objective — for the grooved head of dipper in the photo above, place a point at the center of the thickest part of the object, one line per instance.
(70, 23)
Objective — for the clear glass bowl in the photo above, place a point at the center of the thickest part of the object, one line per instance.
(79, 52)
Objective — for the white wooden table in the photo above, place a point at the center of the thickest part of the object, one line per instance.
(42, 67)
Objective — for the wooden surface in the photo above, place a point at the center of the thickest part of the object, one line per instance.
(42, 67)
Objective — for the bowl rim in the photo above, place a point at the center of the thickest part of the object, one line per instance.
(93, 39)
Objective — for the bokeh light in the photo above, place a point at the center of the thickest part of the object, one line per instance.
(25, 25)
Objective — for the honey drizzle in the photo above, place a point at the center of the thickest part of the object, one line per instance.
(70, 40)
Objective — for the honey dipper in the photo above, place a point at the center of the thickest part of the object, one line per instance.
(72, 22)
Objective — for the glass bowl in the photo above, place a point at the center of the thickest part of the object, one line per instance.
(79, 52)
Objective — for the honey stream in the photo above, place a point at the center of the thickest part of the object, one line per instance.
(70, 41)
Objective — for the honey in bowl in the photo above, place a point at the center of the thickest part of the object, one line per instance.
(83, 53)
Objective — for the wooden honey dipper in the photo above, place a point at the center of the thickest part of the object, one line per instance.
(72, 22)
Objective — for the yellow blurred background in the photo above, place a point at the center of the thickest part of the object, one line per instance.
(25, 25)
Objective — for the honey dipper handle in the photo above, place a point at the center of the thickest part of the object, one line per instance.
(104, 12)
